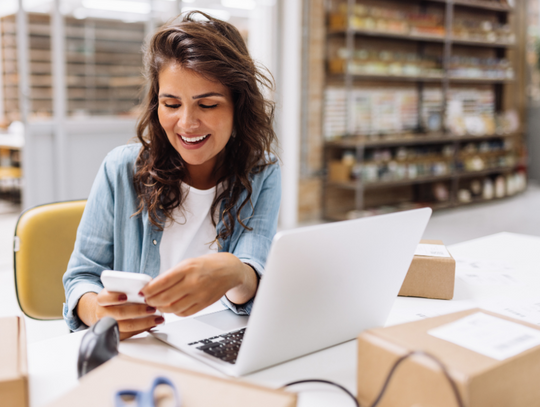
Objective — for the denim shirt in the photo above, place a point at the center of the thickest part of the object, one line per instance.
(110, 238)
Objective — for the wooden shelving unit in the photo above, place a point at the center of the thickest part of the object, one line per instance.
(10, 167)
(103, 66)
(459, 160)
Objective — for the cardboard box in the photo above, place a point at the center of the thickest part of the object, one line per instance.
(99, 387)
(339, 172)
(13, 364)
(430, 277)
(482, 381)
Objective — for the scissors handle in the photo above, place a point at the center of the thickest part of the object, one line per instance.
(118, 398)
(146, 398)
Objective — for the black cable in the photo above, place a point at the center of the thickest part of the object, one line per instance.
(422, 353)
(326, 382)
(389, 377)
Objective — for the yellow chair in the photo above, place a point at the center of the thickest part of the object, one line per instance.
(44, 239)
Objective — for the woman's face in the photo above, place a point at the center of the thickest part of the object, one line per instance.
(197, 115)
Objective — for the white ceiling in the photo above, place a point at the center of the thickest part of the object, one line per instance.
(139, 10)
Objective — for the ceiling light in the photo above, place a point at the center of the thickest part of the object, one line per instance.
(80, 13)
(118, 5)
(243, 4)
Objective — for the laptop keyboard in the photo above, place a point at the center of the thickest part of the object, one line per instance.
(224, 347)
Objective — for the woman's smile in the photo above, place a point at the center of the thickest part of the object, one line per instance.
(194, 141)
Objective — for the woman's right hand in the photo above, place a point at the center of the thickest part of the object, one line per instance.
(132, 318)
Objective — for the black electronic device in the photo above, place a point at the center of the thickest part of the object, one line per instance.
(98, 345)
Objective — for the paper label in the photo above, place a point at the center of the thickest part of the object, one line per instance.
(432, 250)
(491, 336)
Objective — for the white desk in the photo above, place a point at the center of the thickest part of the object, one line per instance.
(53, 370)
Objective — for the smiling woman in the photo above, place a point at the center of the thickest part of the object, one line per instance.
(195, 203)
(197, 116)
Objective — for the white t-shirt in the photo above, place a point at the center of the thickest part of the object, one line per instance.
(192, 233)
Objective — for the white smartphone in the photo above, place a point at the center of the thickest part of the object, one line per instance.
(125, 282)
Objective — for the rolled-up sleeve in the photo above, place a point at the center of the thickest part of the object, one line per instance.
(252, 246)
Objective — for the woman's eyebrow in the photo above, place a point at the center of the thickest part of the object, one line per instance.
(204, 95)
(168, 95)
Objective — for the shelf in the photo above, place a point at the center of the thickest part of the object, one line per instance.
(426, 38)
(394, 78)
(479, 43)
(405, 182)
(385, 34)
(472, 174)
(479, 201)
(412, 140)
(479, 80)
(479, 5)
(408, 78)
(336, 217)
(352, 185)
(435, 206)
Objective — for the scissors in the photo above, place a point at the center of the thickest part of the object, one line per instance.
(146, 398)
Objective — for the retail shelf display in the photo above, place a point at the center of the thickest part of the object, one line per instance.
(103, 66)
(415, 109)
(10, 167)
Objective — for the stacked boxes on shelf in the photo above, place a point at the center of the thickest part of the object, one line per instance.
(407, 20)
(10, 162)
(386, 62)
(411, 122)
(387, 20)
(10, 165)
(394, 111)
(103, 66)
(372, 112)
(382, 165)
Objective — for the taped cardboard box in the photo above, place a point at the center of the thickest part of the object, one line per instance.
(430, 276)
(13, 364)
(482, 381)
(98, 388)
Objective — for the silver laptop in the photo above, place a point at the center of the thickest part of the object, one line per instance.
(322, 286)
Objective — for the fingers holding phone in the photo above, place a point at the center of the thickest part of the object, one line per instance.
(120, 299)
(132, 318)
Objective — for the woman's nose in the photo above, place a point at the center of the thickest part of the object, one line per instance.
(187, 119)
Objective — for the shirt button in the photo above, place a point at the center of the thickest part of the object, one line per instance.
(154, 241)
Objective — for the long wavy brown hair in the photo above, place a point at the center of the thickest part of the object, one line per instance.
(216, 50)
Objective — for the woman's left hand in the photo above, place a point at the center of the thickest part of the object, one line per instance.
(194, 284)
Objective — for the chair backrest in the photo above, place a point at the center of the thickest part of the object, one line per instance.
(44, 239)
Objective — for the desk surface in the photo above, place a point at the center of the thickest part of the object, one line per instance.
(52, 363)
